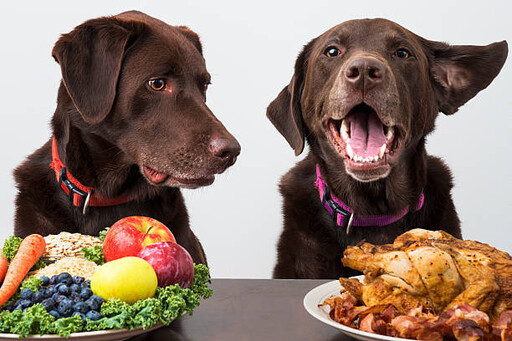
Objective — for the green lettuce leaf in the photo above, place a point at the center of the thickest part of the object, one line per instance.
(11, 246)
(67, 325)
(103, 233)
(94, 254)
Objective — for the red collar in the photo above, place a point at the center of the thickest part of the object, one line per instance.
(80, 195)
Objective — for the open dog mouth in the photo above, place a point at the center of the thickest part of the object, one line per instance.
(365, 142)
(157, 177)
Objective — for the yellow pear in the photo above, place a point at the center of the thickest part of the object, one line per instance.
(129, 279)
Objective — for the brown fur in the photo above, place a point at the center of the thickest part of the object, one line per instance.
(109, 124)
(408, 93)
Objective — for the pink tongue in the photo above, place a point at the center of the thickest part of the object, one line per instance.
(154, 176)
(366, 134)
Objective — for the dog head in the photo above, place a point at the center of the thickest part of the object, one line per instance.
(140, 85)
(366, 91)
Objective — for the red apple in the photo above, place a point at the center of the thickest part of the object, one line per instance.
(171, 262)
(129, 235)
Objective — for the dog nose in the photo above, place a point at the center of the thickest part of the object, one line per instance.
(224, 148)
(364, 73)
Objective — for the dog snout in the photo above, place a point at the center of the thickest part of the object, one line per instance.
(364, 73)
(224, 148)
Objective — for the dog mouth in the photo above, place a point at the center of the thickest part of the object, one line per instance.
(159, 178)
(366, 143)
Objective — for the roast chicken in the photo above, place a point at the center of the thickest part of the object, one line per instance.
(431, 269)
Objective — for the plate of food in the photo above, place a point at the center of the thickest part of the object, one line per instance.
(83, 287)
(426, 285)
(313, 302)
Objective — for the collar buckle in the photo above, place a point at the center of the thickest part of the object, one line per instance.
(348, 217)
(72, 189)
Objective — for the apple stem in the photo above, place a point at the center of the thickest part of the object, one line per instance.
(149, 229)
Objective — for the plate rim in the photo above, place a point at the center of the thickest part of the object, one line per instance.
(85, 335)
(326, 290)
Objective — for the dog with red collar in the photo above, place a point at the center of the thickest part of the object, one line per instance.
(130, 130)
(364, 96)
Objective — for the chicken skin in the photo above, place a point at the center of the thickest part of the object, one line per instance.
(432, 269)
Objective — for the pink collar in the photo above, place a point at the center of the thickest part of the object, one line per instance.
(344, 216)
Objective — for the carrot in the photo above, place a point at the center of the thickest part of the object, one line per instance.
(29, 252)
(4, 263)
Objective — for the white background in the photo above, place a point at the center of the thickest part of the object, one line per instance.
(250, 50)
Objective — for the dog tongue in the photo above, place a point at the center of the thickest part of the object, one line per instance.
(154, 176)
(366, 133)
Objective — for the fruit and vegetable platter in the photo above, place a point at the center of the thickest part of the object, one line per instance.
(133, 276)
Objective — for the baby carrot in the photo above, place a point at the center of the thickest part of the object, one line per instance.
(29, 252)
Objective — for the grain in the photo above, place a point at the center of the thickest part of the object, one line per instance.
(67, 244)
(73, 265)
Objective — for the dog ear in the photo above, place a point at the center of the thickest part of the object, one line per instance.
(192, 37)
(285, 111)
(461, 71)
(90, 59)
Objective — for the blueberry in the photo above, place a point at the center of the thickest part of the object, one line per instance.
(88, 283)
(55, 314)
(25, 303)
(75, 297)
(65, 307)
(78, 279)
(50, 291)
(63, 289)
(26, 294)
(18, 306)
(97, 299)
(93, 315)
(93, 304)
(48, 303)
(45, 281)
(58, 297)
(38, 296)
(79, 314)
(75, 287)
(81, 307)
(65, 278)
(86, 293)
(8, 308)
(53, 279)
(42, 292)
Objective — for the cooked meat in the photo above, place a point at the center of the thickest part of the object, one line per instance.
(433, 269)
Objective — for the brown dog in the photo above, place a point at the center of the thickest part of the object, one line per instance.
(131, 127)
(364, 96)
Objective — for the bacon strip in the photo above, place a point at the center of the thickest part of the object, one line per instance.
(463, 322)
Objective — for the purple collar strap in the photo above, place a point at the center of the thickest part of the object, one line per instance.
(344, 216)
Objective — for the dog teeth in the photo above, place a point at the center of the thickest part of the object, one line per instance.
(390, 133)
(349, 151)
(344, 131)
(382, 151)
(368, 159)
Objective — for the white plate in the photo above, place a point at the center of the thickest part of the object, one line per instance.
(103, 335)
(318, 295)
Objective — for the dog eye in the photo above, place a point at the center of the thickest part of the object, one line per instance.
(205, 86)
(157, 84)
(402, 53)
(332, 51)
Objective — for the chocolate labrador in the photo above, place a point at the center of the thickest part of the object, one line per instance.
(364, 96)
(131, 128)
